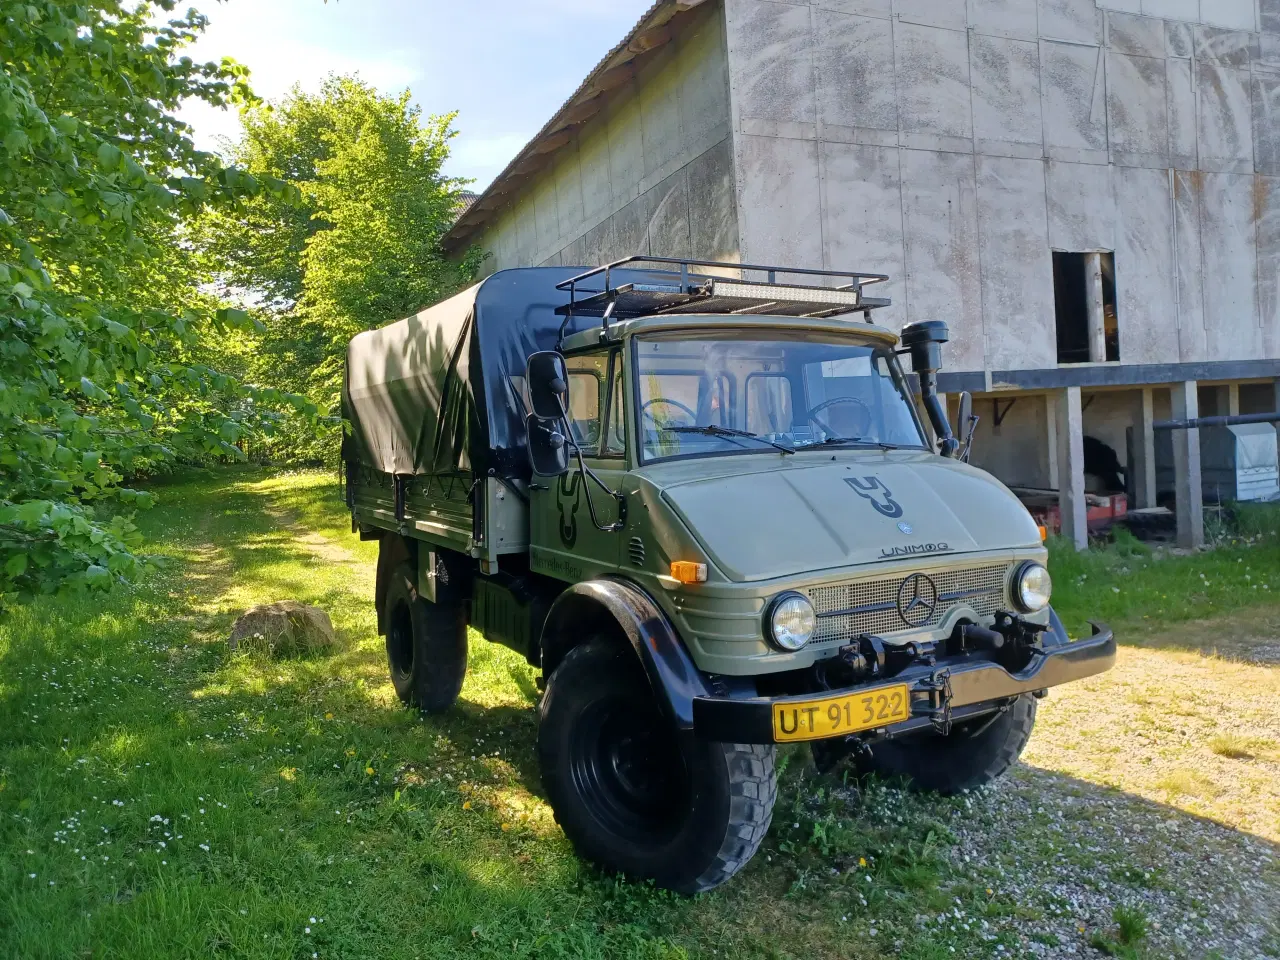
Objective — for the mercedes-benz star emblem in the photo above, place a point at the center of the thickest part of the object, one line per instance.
(905, 527)
(917, 599)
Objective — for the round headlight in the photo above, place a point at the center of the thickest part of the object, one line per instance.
(791, 621)
(1032, 587)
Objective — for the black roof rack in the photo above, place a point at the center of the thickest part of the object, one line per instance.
(676, 287)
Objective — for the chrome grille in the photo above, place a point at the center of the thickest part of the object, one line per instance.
(848, 610)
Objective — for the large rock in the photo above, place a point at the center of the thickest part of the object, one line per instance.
(285, 628)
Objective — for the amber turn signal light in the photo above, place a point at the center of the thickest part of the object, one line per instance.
(687, 571)
(1044, 534)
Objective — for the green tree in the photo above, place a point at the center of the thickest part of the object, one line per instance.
(102, 308)
(361, 249)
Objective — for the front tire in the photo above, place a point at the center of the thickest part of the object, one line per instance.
(972, 755)
(630, 795)
(426, 644)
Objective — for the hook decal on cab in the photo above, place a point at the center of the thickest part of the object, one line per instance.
(873, 490)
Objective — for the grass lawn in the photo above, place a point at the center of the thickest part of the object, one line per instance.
(162, 797)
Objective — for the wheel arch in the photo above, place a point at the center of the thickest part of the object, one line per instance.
(453, 574)
(393, 550)
(623, 610)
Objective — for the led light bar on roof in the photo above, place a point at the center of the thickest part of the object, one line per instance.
(784, 293)
(645, 286)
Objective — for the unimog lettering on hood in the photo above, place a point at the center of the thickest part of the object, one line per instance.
(914, 549)
(717, 514)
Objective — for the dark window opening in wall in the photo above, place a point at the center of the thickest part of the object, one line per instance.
(1084, 294)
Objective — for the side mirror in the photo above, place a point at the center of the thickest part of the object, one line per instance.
(966, 425)
(966, 413)
(548, 383)
(548, 449)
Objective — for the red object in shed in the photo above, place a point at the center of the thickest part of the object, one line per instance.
(1100, 511)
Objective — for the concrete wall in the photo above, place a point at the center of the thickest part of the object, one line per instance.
(1015, 451)
(651, 174)
(956, 145)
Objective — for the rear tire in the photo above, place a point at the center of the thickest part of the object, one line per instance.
(634, 797)
(972, 755)
(426, 644)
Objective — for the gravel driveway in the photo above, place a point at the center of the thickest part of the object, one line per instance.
(1154, 788)
(1071, 852)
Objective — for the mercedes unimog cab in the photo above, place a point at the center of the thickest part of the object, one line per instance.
(702, 501)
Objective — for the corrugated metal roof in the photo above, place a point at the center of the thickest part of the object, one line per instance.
(559, 129)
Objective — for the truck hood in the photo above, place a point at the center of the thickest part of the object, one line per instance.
(761, 518)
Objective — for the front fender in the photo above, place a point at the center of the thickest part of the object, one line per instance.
(611, 604)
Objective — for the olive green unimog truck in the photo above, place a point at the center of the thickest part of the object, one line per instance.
(701, 499)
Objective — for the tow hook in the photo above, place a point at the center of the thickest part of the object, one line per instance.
(866, 656)
(938, 687)
(869, 657)
(1021, 631)
(1011, 640)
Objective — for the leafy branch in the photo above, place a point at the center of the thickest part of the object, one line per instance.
(104, 301)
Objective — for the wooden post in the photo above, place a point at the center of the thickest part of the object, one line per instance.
(1097, 311)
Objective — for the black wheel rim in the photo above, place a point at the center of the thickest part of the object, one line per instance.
(400, 641)
(628, 768)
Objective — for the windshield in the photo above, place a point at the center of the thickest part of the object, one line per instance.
(729, 394)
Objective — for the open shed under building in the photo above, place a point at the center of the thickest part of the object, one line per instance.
(1087, 191)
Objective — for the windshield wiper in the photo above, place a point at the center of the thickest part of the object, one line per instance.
(711, 430)
(837, 441)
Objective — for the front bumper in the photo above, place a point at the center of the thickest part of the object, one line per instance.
(946, 692)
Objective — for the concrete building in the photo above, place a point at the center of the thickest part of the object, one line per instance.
(1088, 191)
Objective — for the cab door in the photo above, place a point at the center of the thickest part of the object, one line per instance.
(566, 543)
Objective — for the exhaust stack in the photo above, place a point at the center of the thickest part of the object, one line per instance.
(923, 340)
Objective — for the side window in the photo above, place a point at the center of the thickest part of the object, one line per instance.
(615, 440)
(586, 399)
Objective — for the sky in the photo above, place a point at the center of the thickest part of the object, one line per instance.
(504, 65)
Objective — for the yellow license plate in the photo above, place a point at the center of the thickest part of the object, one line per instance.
(834, 716)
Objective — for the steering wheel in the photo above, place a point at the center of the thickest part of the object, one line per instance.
(645, 411)
(863, 413)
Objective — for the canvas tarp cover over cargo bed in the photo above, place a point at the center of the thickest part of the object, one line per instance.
(440, 391)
